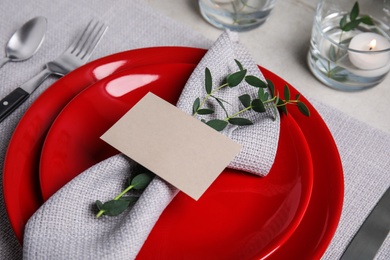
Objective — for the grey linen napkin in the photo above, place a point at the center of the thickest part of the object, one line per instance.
(66, 224)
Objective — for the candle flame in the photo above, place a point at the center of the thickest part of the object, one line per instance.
(372, 44)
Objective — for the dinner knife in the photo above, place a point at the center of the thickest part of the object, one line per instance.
(372, 233)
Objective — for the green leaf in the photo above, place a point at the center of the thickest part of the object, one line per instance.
(343, 21)
(208, 81)
(332, 53)
(282, 106)
(260, 94)
(245, 100)
(275, 112)
(351, 25)
(235, 78)
(271, 87)
(265, 97)
(255, 81)
(258, 106)
(277, 99)
(205, 111)
(297, 96)
(220, 102)
(114, 207)
(141, 181)
(286, 93)
(240, 121)
(354, 12)
(131, 199)
(366, 20)
(239, 64)
(217, 124)
(303, 108)
(195, 106)
(99, 204)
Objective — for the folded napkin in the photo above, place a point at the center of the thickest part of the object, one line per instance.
(66, 223)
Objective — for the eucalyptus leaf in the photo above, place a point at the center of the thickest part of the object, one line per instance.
(286, 93)
(282, 106)
(208, 81)
(239, 64)
(220, 102)
(303, 108)
(366, 20)
(245, 100)
(217, 124)
(271, 87)
(235, 78)
(195, 106)
(343, 21)
(297, 96)
(257, 105)
(260, 94)
(205, 111)
(141, 181)
(332, 53)
(130, 199)
(99, 204)
(351, 25)
(240, 121)
(345, 41)
(114, 207)
(354, 12)
(255, 81)
(265, 97)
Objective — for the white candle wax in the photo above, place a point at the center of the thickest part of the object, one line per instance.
(370, 43)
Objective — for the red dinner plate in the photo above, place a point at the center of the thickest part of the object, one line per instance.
(239, 217)
(20, 177)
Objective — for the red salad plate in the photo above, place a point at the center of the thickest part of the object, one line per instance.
(239, 217)
(21, 186)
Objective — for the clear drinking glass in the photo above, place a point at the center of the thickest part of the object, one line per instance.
(350, 43)
(236, 15)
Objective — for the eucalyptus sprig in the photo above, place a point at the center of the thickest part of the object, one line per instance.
(354, 19)
(257, 104)
(121, 202)
(348, 22)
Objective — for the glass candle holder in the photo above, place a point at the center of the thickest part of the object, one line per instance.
(236, 15)
(350, 44)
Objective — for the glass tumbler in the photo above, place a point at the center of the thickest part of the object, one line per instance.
(350, 43)
(236, 15)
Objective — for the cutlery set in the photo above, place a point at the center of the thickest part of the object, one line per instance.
(25, 43)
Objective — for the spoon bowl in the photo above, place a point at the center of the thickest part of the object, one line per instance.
(26, 41)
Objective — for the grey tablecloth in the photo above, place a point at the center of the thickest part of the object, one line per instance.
(365, 151)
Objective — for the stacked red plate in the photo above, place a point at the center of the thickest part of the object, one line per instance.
(291, 213)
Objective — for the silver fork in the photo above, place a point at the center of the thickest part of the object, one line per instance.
(76, 55)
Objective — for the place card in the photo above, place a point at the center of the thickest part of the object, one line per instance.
(177, 147)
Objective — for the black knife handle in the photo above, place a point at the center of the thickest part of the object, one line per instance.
(11, 102)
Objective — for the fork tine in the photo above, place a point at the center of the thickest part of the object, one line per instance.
(80, 38)
(92, 41)
(85, 36)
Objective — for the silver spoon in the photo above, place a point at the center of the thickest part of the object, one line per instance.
(26, 41)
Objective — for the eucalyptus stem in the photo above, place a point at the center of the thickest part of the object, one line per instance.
(101, 212)
(237, 113)
(209, 95)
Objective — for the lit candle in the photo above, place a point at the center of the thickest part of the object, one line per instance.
(371, 59)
